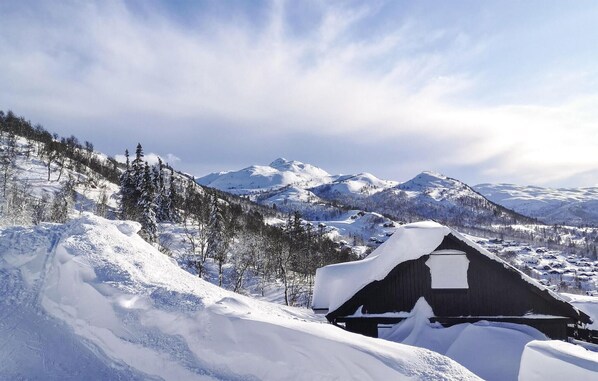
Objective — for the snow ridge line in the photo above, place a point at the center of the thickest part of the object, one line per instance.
(51, 253)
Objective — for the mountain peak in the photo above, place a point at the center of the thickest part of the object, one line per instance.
(429, 180)
(432, 174)
(281, 162)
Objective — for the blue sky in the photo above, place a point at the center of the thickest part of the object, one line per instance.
(503, 91)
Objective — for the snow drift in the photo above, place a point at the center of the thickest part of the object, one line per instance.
(92, 300)
(492, 350)
(557, 360)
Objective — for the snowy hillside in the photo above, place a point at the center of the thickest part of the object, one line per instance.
(577, 206)
(257, 178)
(34, 188)
(360, 185)
(320, 197)
(431, 195)
(91, 300)
(291, 186)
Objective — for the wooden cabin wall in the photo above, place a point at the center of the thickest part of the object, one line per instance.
(493, 290)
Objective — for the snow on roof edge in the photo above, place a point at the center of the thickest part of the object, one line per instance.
(335, 284)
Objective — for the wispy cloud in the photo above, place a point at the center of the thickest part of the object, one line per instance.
(222, 93)
(152, 158)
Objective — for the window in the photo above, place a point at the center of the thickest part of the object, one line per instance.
(448, 269)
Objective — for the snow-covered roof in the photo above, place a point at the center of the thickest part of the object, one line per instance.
(335, 284)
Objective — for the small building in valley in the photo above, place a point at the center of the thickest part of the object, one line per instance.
(459, 279)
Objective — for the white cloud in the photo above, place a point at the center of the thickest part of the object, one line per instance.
(152, 158)
(102, 64)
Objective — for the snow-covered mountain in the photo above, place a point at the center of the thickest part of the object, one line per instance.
(289, 186)
(283, 173)
(360, 185)
(577, 206)
(292, 185)
(258, 178)
(439, 197)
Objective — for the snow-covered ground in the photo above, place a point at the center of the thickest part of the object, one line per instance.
(91, 300)
(31, 174)
(496, 351)
(489, 349)
(551, 267)
(557, 360)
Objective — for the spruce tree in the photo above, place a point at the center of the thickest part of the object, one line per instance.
(128, 191)
(170, 200)
(158, 179)
(146, 207)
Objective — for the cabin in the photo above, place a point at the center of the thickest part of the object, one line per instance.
(460, 280)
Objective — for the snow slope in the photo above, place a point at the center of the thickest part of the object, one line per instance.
(31, 173)
(91, 300)
(562, 205)
(360, 185)
(258, 178)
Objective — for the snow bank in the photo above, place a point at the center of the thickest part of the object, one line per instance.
(335, 284)
(92, 300)
(587, 304)
(489, 349)
(557, 360)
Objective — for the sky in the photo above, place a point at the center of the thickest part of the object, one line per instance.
(493, 91)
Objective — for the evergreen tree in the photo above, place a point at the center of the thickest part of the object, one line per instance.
(147, 207)
(172, 199)
(128, 192)
(161, 192)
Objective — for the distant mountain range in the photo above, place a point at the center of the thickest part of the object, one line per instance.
(292, 185)
(569, 206)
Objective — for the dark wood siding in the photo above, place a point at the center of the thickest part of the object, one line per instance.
(495, 289)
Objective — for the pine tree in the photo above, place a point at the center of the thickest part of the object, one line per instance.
(128, 192)
(147, 207)
(170, 200)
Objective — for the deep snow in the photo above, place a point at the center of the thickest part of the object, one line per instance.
(489, 349)
(91, 300)
(557, 360)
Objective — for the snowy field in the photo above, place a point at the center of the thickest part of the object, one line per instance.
(92, 300)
